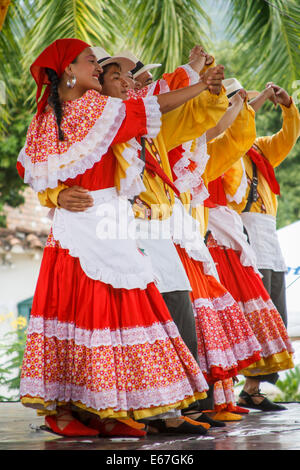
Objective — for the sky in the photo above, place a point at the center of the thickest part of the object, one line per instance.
(216, 9)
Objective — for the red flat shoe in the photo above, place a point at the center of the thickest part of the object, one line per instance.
(116, 428)
(74, 428)
(239, 409)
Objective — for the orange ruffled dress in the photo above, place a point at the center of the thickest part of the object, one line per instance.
(226, 342)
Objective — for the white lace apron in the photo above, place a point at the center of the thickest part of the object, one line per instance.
(104, 239)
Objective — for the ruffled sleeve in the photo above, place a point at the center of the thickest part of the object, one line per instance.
(188, 163)
(91, 125)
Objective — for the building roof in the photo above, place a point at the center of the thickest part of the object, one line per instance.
(27, 226)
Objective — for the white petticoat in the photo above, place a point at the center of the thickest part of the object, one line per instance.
(104, 239)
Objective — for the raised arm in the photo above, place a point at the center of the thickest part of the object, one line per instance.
(276, 147)
(211, 81)
(236, 105)
(230, 146)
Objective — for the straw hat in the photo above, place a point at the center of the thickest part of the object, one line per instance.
(138, 67)
(123, 58)
(141, 68)
(232, 86)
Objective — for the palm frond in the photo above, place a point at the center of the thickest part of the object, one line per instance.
(12, 41)
(164, 31)
(269, 34)
(95, 22)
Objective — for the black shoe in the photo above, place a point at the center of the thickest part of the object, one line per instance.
(184, 428)
(265, 405)
(204, 419)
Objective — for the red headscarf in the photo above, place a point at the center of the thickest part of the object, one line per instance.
(57, 56)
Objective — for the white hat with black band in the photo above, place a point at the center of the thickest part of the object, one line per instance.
(123, 58)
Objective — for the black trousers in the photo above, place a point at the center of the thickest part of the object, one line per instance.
(181, 310)
(274, 283)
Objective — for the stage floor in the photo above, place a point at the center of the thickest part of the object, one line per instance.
(20, 430)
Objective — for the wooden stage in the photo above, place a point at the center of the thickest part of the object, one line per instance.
(20, 430)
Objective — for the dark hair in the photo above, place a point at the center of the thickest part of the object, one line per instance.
(54, 100)
(106, 69)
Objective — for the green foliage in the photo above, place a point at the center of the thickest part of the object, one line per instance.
(164, 31)
(12, 349)
(11, 141)
(267, 39)
(290, 386)
(268, 122)
(97, 22)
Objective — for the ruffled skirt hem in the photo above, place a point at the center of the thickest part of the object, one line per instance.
(50, 407)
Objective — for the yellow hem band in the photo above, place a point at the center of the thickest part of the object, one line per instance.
(41, 406)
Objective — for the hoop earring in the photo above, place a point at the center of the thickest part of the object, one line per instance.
(71, 83)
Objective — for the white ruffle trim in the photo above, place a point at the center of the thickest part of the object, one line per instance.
(255, 305)
(192, 74)
(163, 87)
(230, 357)
(102, 337)
(115, 399)
(153, 116)
(80, 156)
(217, 303)
(192, 181)
(132, 184)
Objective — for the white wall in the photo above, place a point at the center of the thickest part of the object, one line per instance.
(17, 282)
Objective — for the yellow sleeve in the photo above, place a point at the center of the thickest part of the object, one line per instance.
(194, 118)
(230, 146)
(49, 197)
(277, 146)
(234, 181)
